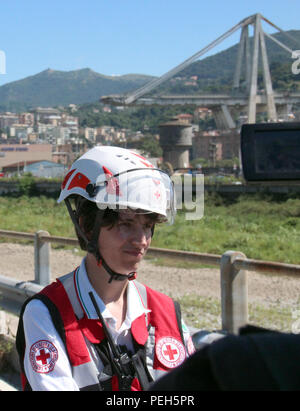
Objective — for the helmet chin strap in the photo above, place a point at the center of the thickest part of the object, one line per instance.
(93, 249)
(92, 245)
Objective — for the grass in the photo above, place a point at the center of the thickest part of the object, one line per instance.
(260, 228)
(31, 214)
(201, 312)
(205, 313)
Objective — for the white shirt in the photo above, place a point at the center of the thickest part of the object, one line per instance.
(40, 332)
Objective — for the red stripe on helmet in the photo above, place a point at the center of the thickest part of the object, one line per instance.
(64, 183)
(113, 184)
(143, 160)
(79, 180)
(107, 172)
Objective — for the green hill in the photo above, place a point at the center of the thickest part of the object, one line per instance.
(53, 88)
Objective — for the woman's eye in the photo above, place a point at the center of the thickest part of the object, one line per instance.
(125, 224)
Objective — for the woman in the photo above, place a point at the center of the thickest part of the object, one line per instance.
(97, 328)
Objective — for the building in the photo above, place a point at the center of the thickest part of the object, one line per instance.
(17, 153)
(44, 115)
(67, 153)
(61, 135)
(185, 118)
(106, 109)
(216, 144)
(46, 169)
(63, 154)
(20, 131)
(26, 118)
(71, 122)
(90, 134)
(45, 132)
(73, 108)
(8, 119)
(105, 135)
(202, 113)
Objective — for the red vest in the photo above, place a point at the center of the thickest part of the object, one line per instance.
(157, 334)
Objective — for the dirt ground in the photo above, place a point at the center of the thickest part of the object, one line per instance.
(17, 261)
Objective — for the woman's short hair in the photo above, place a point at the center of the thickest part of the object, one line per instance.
(87, 210)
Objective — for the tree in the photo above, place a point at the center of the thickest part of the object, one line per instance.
(149, 146)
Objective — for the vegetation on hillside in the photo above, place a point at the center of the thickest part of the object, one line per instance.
(145, 119)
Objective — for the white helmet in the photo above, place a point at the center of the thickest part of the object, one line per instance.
(119, 178)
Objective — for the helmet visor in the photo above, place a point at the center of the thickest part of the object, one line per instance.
(145, 190)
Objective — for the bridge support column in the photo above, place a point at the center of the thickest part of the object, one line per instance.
(223, 118)
(254, 72)
(272, 115)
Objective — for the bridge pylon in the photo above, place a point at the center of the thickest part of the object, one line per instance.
(243, 99)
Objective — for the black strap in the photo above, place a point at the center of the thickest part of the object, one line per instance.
(139, 363)
(105, 376)
(178, 317)
(74, 219)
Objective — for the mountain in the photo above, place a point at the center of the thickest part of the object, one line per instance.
(52, 88)
(215, 74)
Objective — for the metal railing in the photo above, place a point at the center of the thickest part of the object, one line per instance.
(233, 274)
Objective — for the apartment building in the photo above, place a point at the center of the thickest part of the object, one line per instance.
(45, 115)
(225, 143)
(8, 119)
(20, 131)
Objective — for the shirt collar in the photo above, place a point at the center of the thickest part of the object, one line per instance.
(135, 307)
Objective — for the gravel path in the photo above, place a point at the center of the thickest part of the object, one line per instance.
(17, 261)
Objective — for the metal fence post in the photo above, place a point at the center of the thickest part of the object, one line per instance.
(41, 259)
(234, 293)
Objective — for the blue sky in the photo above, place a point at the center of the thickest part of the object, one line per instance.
(122, 36)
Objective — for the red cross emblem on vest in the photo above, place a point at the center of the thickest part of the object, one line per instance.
(43, 356)
(170, 352)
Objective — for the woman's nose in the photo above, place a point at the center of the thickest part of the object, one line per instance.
(140, 236)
